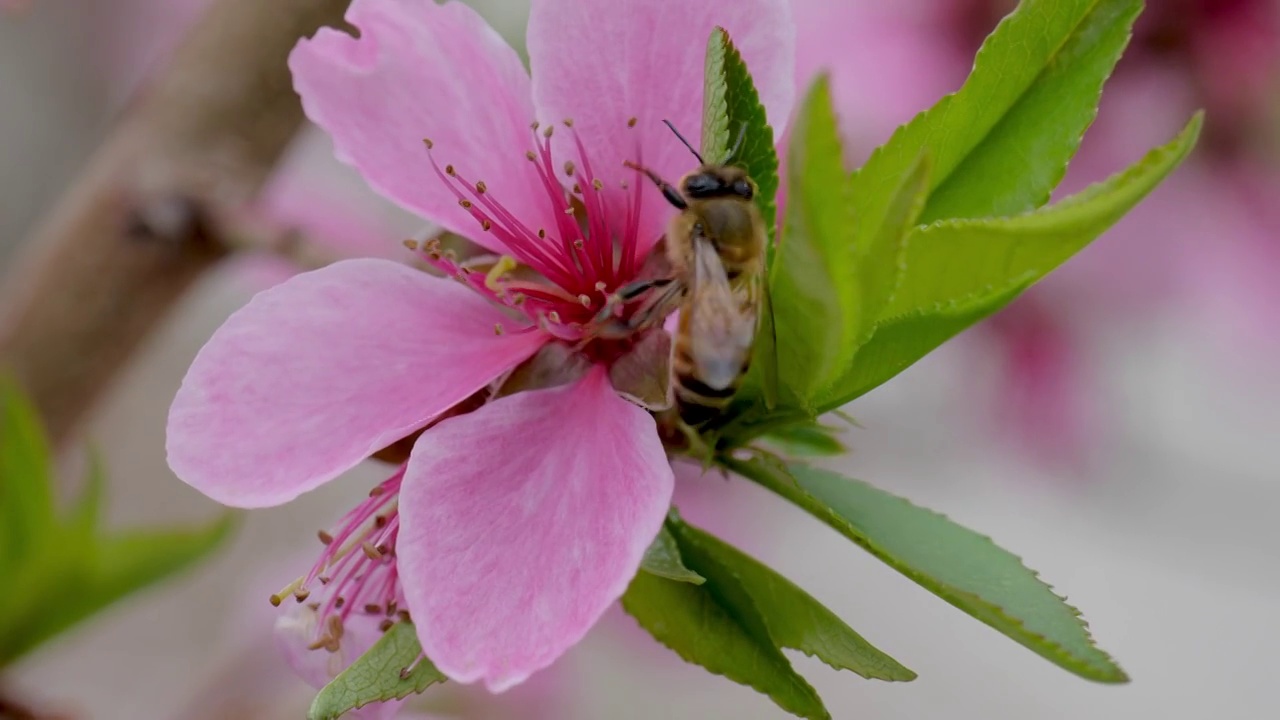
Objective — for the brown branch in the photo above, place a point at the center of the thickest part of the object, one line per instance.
(130, 235)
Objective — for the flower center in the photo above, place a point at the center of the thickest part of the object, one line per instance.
(578, 265)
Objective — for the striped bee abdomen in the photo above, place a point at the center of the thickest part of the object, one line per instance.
(699, 402)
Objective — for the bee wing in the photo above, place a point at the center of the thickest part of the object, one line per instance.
(721, 332)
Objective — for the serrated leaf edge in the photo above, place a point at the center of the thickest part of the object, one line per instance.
(791, 646)
(1064, 657)
(802, 680)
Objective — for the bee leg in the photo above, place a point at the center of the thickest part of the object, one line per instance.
(658, 307)
(698, 448)
(627, 293)
(669, 191)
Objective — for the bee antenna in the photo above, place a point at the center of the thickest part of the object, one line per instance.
(686, 142)
(737, 145)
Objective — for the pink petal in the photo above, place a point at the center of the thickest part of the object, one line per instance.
(522, 522)
(601, 63)
(317, 373)
(424, 70)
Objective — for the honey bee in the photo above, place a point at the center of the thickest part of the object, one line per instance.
(716, 249)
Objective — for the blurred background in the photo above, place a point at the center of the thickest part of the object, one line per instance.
(1116, 427)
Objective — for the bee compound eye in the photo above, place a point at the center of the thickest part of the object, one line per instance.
(701, 186)
(743, 189)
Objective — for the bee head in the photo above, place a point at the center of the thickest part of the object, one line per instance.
(711, 181)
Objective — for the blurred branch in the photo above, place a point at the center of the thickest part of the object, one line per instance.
(134, 231)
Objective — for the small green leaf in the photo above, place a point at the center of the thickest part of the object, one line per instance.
(730, 107)
(792, 617)
(663, 559)
(1001, 143)
(697, 623)
(376, 675)
(26, 495)
(806, 439)
(764, 356)
(955, 261)
(60, 570)
(881, 264)
(960, 271)
(68, 578)
(814, 301)
(958, 565)
(900, 342)
(86, 513)
(131, 560)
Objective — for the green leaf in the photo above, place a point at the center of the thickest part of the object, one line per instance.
(960, 271)
(955, 261)
(1001, 143)
(85, 515)
(806, 439)
(703, 628)
(72, 576)
(762, 377)
(60, 570)
(958, 565)
(814, 301)
(881, 258)
(663, 559)
(131, 560)
(900, 342)
(376, 676)
(26, 496)
(730, 103)
(792, 617)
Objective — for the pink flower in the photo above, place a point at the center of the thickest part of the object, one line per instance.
(519, 523)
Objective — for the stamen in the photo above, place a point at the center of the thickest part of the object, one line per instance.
(505, 264)
(591, 247)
